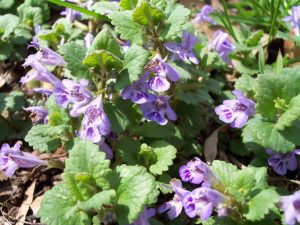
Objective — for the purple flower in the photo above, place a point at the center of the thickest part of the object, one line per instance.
(138, 91)
(158, 110)
(45, 56)
(236, 111)
(38, 114)
(70, 14)
(184, 50)
(43, 91)
(294, 19)
(201, 202)
(144, 216)
(196, 172)
(39, 72)
(11, 158)
(203, 16)
(95, 123)
(125, 45)
(222, 45)
(281, 163)
(71, 92)
(88, 39)
(174, 207)
(291, 207)
(106, 149)
(163, 70)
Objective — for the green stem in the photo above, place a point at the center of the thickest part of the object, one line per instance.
(80, 9)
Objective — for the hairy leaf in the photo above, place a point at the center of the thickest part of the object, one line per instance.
(147, 14)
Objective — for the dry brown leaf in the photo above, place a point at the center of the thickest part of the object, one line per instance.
(26, 203)
(211, 145)
(36, 204)
(2, 176)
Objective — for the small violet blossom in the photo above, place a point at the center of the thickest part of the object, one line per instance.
(196, 172)
(39, 72)
(38, 114)
(88, 39)
(71, 14)
(138, 91)
(158, 110)
(162, 70)
(174, 207)
(203, 16)
(106, 149)
(201, 202)
(281, 163)
(184, 50)
(71, 92)
(45, 56)
(95, 123)
(11, 158)
(236, 111)
(291, 207)
(144, 216)
(294, 19)
(222, 45)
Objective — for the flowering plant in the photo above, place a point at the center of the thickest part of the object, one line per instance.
(131, 91)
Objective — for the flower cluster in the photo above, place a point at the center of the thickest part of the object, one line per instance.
(199, 202)
(68, 93)
(236, 111)
(11, 158)
(147, 91)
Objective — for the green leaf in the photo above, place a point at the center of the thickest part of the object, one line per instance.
(274, 92)
(74, 54)
(128, 149)
(135, 185)
(56, 204)
(246, 84)
(118, 114)
(128, 4)
(147, 14)
(290, 115)
(104, 7)
(5, 4)
(126, 27)
(279, 64)
(261, 204)
(35, 3)
(165, 154)
(32, 16)
(13, 101)
(106, 41)
(192, 94)
(254, 38)
(98, 200)
(243, 182)
(183, 73)
(176, 23)
(57, 115)
(46, 138)
(8, 22)
(154, 130)
(135, 59)
(224, 172)
(5, 50)
(263, 133)
(86, 159)
(103, 59)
